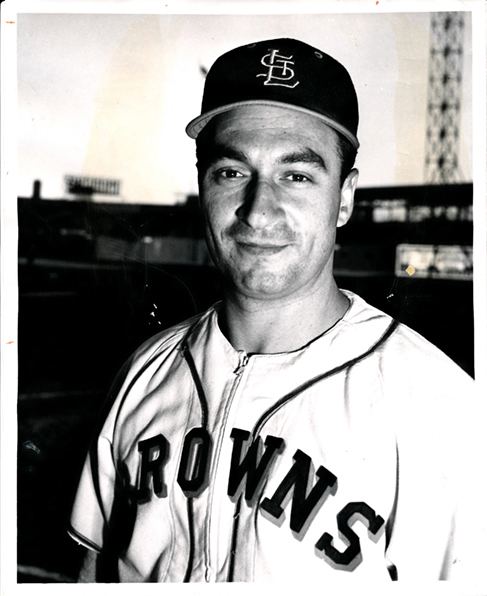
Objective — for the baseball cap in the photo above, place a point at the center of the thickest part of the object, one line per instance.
(282, 72)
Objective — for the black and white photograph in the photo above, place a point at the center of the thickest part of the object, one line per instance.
(244, 307)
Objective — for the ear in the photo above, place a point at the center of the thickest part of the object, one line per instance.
(347, 194)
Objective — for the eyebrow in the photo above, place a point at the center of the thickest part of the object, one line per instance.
(306, 155)
(220, 151)
(212, 153)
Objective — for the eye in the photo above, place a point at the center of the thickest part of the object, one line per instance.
(297, 177)
(227, 174)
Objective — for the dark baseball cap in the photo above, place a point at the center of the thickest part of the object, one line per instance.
(281, 72)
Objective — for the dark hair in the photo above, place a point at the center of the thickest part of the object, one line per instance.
(201, 148)
(347, 153)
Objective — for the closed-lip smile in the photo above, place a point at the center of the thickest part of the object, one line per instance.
(260, 247)
(261, 244)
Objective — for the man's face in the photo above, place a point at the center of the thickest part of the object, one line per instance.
(271, 196)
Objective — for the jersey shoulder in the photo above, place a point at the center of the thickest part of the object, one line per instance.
(167, 340)
(153, 358)
(405, 357)
(409, 351)
(424, 385)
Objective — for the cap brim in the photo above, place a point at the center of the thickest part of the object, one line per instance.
(196, 125)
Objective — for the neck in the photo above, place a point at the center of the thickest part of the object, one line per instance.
(269, 327)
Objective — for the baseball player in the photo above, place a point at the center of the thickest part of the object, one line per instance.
(292, 431)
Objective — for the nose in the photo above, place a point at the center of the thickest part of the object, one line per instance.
(260, 207)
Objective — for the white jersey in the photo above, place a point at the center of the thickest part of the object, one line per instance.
(345, 458)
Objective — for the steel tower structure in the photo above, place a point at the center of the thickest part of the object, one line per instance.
(444, 95)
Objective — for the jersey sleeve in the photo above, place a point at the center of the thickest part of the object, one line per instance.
(101, 507)
(439, 525)
(94, 498)
(95, 495)
(466, 560)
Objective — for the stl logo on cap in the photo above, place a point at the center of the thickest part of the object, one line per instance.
(279, 72)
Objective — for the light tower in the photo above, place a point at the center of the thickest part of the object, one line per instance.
(444, 93)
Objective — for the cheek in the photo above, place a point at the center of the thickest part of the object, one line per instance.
(217, 219)
(317, 217)
(214, 216)
(318, 233)
(218, 208)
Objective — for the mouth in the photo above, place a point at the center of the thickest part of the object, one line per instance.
(266, 248)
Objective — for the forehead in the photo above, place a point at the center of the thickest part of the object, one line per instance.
(263, 125)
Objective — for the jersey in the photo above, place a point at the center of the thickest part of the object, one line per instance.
(345, 458)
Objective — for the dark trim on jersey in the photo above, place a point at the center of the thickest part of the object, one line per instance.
(189, 568)
(292, 394)
(392, 569)
(94, 449)
(139, 373)
(392, 516)
(204, 423)
(233, 545)
(199, 386)
(77, 537)
(282, 402)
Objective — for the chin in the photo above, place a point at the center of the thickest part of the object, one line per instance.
(265, 285)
